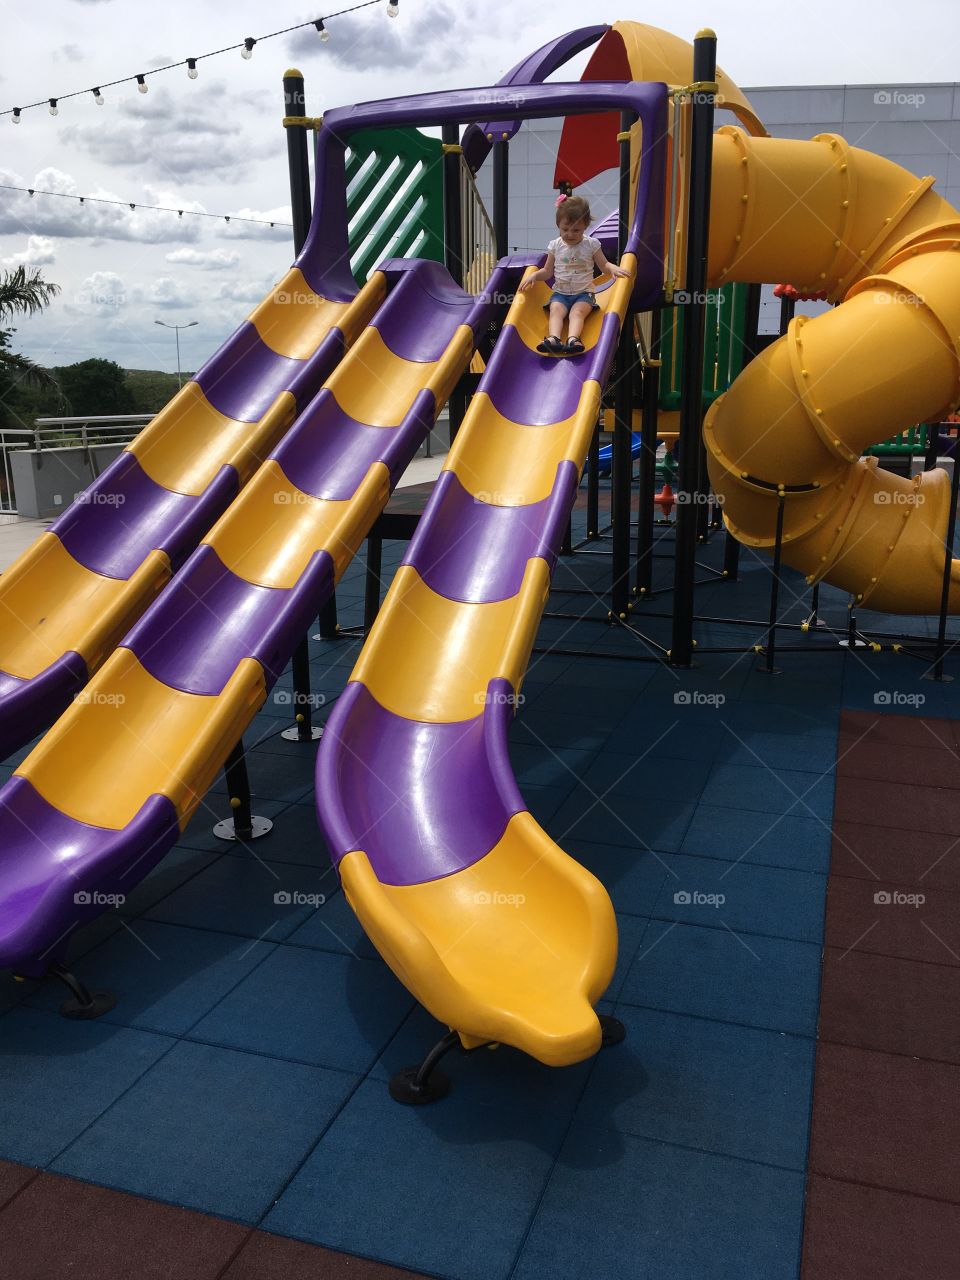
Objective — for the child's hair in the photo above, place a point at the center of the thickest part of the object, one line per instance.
(573, 209)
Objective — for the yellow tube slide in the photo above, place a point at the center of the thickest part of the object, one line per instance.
(827, 216)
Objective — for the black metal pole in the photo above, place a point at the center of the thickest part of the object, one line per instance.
(621, 480)
(648, 459)
(593, 486)
(238, 791)
(298, 163)
(691, 404)
(371, 600)
(453, 246)
(751, 327)
(937, 673)
(501, 197)
(771, 641)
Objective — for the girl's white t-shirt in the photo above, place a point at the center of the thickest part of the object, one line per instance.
(573, 264)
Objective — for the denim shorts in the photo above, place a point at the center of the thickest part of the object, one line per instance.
(568, 299)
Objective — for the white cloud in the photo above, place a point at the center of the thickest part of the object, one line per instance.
(40, 251)
(205, 259)
(168, 293)
(102, 293)
(242, 291)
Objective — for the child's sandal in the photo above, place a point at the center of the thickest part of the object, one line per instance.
(551, 346)
(574, 347)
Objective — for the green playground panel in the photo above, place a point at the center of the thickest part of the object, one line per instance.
(380, 164)
(906, 444)
(722, 351)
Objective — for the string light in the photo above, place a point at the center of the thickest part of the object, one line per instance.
(154, 208)
(98, 97)
(245, 47)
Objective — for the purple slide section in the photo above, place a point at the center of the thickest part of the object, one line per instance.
(53, 866)
(536, 390)
(113, 528)
(27, 705)
(186, 644)
(245, 376)
(444, 549)
(414, 794)
(533, 69)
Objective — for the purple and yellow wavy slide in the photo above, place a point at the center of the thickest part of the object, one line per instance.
(490, 924)
(101, 799)
(71, 595)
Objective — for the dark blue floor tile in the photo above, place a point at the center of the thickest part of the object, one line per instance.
(765, 900)
(543, 802)
(712, 1086)
(646, 778)
(632, 877)
(545, 766)
(800, 843)
(620, 819)
(295, 838)
(335, 928)
(782, 717)
(667, 739)
(57, 1076)
(176, 868)
(709, 973)
(448, 1189)
(273, 777)
(165, 976)
(811, 753)
(621, 1206)
(630, 935)
(244, 896)
(549, 728)
(210, 1129)
(312, 1006)
(781, 791)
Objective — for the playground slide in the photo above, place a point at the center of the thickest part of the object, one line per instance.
(71, 595)
(490, 924)
(829, 216)
(96, 805)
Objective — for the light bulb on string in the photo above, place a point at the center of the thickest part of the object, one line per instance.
(53, 108)
(247, 50)
(192, 71)
(97, 97)
(322, 31)
(16, 115)
(141, 85)
(393, 8)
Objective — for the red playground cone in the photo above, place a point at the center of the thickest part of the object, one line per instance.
(665, 499)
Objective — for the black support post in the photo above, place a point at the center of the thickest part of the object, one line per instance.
(593, 486)
(453, 246)
(298, 163)
(648, 459)
(691, 405)
(244, 824)
(501, 197)
(621, 478)
(751, 327)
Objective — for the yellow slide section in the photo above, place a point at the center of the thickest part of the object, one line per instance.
(828, 216)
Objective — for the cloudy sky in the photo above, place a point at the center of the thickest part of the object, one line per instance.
(215, 143)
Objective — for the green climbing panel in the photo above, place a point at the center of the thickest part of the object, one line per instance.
(394, 198)
(906, 445)
(722, 350)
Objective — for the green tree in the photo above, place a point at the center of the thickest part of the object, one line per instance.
(95, 387)
(25, 293)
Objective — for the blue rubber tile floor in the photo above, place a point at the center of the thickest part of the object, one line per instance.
(770, 983)
(618, 1205)
(799, 843)
(210, 1129)
(446, 1190)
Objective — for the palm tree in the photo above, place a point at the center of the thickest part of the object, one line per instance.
(23, 293)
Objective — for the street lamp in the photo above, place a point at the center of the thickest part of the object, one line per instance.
(178, 327)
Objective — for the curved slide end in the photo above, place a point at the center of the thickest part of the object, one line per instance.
(494, 929)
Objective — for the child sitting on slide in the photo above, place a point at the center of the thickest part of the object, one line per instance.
(570, 260)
